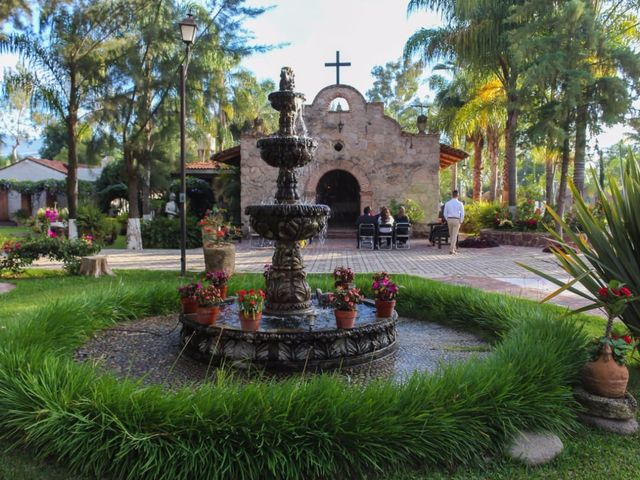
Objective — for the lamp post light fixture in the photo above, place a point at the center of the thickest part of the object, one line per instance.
(188, 28)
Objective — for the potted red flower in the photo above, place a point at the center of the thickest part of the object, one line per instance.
(343, 277)
(606, 374)
(209, 301)
(345, 303)
(251, 304)
(219, 279)
(385, 292)
(188, 299)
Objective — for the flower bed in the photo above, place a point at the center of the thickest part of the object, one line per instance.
(320, 427)
(517, 239)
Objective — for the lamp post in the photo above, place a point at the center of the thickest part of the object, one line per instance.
(188, 29)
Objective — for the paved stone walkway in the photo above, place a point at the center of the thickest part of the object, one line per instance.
(492, 269)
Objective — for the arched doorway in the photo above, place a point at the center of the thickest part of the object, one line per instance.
(341, 191)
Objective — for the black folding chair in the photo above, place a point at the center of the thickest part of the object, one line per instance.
(366, 235)
(402, 235)
(385, 236)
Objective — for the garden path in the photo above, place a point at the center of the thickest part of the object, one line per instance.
(491, 269)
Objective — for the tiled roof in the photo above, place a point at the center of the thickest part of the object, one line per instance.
(203, 166)
(230, 156)
(450, 155)
(53, 164)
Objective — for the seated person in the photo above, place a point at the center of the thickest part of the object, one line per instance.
(385, 223)
(402, 218)
(402, 215)
(365, 218)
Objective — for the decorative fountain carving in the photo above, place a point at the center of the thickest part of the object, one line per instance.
(293, 335)
(287, 221)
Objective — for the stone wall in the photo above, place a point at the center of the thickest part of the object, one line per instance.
(517, 239)
(387, 163)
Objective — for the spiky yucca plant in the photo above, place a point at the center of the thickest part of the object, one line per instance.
(608, 246)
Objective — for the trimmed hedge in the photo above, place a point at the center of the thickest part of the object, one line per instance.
(321, 427)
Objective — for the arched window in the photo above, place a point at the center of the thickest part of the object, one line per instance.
(339, 104)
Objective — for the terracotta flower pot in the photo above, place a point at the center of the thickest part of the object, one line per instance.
(223, 292)
(208, 315)
(604, 376)
(250, 322)
(345, 318)
(189, 305)
(384, 308)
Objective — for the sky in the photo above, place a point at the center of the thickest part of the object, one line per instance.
(366, 32)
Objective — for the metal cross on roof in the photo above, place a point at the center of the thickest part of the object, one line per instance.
(337, 64)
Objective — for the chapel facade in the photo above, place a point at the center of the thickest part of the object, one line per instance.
(363, 158)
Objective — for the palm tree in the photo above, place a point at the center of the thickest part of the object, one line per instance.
(477, 36)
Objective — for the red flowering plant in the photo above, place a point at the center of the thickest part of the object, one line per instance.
(218, 278)
(189, 290)
(215, 229)
(345, 299)
(383, 287)
(251, 302)
(343, 275)
(614, 298)
(208, 296)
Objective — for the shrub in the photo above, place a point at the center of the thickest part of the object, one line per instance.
(164, 232)
(91, 221)
(478, 215)
(18, 255)
(320, 427)
(414, 211)
(21, 216)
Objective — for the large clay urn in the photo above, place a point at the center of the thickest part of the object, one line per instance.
(220, 257)
(604, 376)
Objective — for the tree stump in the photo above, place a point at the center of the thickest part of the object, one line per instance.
(95, 266)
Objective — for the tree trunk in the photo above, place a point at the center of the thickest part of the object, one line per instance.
(14, 151)
(580, 150)
(478, 145)
(134, 238)
(564, 173)
(146, 186)
(72, 157)
(548, 181)
(492, 144)
(510, 132)
(454, 177)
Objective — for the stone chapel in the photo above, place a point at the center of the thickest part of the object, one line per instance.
(363, 158)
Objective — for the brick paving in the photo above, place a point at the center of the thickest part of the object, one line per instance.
(492, 269)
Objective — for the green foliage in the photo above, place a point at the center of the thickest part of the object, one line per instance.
(608, 248)
(19, 255)
(50, 185)
(199, 194)
(478, 215)
(320, 427)
(413, 209)
(91, 221)
(164, 232)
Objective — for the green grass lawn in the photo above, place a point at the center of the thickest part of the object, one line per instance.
(588, 454)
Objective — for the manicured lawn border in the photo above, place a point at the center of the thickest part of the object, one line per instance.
(321, 428)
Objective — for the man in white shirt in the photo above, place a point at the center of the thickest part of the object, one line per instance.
(454, 214)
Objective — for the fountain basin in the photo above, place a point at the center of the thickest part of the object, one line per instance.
(308, 342)
(287, 222)
(289, 151)
(285, 99)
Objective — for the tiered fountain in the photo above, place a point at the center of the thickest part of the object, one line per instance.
(295, 332)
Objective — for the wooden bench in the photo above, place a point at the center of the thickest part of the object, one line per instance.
(95, 266)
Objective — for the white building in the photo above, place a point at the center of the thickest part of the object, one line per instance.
(34, 170)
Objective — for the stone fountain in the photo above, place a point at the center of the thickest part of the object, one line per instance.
(287, 221)
(295, 333)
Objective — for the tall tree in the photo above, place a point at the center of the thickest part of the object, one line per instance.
(477, 35)
(66, 59)
(396, 85)
(18, 119)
